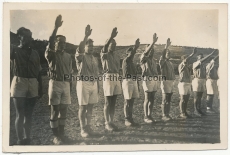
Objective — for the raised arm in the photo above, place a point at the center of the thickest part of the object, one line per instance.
(168, 43)
(216, 58)
(205, 58)
(113, 35)
(150, 47)
(50, 48)
(137, 44)
(191, 55)
(88, 32)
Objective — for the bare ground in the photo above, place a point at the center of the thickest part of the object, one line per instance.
(194, 130)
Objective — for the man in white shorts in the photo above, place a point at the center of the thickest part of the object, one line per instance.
(130, 84)
(87, 86)
(60, 66)
(198, 83)
(167, 70)
(111, 83)
(26, 84)
(211, 83)
(184, 85)
(149, 71)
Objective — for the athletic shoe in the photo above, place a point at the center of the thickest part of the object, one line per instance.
(57, 141)
(182, 115)
(109, 127)
(150, 117)
(84, 134)
(166, 118)
(148, 120)
(201, 112)
(210, 111)
(188, 116)
(197, 113)
(128, 123)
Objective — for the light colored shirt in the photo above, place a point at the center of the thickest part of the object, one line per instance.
(87, 65)
(148, 66)
(212, 70)
(25, 62)
(110, 62)
(199, 70)
(60, 65)
(184, 72)
(167, 69)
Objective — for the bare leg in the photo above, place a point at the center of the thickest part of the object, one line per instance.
(54, 119)
(151, 102)
(89, 113)
(112, 107)
(82, 116)
(146, 103)
(107, 108)
(19, 104)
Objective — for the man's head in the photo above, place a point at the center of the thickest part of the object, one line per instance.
(25, 36)
(112, 45)
(200, 56)
(129, 51)
(89, 46)
(168, 54)
(60, 43)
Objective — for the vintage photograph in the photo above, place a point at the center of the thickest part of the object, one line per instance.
(100, 75)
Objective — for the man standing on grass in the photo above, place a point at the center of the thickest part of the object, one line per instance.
(149, 71)
(167, 70)
(130, 84)
(26, 84)
(198, 83)
(184, 85)
(111, 84)
(211, 83)
(60, 66)
(87, 86)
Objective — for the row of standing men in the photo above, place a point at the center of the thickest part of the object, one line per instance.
(26, 85)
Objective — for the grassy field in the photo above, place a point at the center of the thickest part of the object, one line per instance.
(194, 130)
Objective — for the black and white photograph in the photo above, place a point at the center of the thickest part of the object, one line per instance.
(96, 75)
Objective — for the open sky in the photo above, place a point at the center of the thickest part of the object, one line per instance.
(183, 27)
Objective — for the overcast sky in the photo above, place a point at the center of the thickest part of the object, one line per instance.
(184, 27)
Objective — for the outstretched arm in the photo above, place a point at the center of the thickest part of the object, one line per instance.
(191, 55)
(217, 57)
(113, 35)
(150, 47)
(137, 44)
(50, 47)
(205, 58)
(88, 32)
(168, 43)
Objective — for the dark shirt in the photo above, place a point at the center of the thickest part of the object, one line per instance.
(26, 62)
(128, 68)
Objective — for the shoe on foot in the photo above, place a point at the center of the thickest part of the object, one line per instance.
(66, 139)
(197, 113)
(148, 120)
(202, 114)
(182, 115)
(89, 130)
(150, 117)
(128, 123)
(84, 133)
(210, 111)
(109, 127)
(57, 141)
(165, 118)
(188, 116)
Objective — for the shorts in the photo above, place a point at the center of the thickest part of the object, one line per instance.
(198, 85)
(59, 92)
(149, 85)
(211, 86)
(167, 86)
(111, 86)
(130, 89)
(87, 92)
(184, 88)
(24, 87)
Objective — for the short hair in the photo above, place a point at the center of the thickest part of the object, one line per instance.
(129, 50)
(88, 41)
(200, 54)
(183, 57)
(23, 31)
(60, 36)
